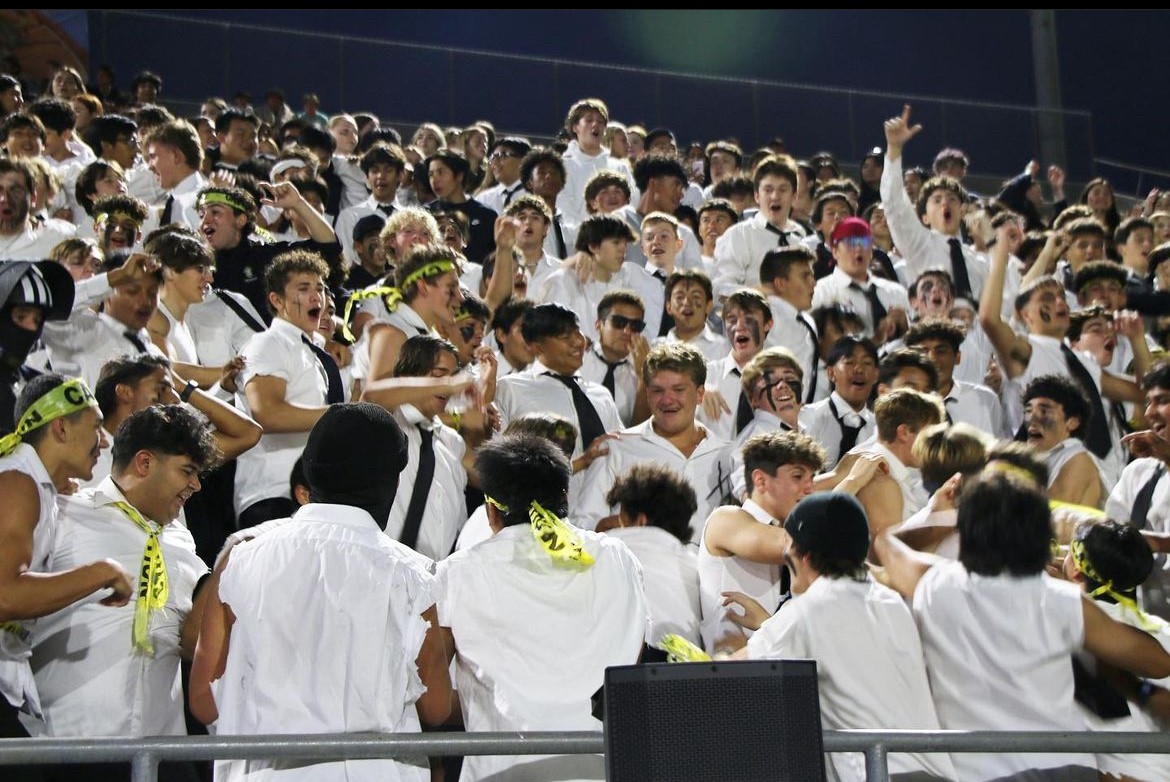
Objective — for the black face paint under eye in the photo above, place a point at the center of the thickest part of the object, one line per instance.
(757, 332)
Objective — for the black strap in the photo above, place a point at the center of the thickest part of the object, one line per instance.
(877, 310)
(588, 421)
(135, 340)
(239, 309)
(812, 335)
(336, 393)
(783, 242)
(1118, 410)
(959, 270)
(1097, 436)
(848, 433)
(1140, 515)
(423, 479)
(167, 212)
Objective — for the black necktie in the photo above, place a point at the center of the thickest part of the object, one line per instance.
(1097, 427)
(1140, 515)
(588, 421)
(667, 322)
(385, 209)
(848, 433)
(562, 251)
(135, 340)
(812, 335)
(744, 414)
(336, 393)
(168, 209)
(510, 194)
(959, 270)
(782, 234)
(608, 380)
(877, 310)
(947, 409)
(423, 477)
(1118, 410)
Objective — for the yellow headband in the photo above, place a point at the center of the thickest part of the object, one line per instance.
(224, 199)
(104, 216)
(557, 538)
(432, 269)
(392, 296)
(1081, 560)
(65, 399)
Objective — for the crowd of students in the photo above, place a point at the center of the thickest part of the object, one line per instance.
(379, 435)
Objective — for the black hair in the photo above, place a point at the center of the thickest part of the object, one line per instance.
(174, 430)
(846, 345)
(1118, 555)
(128, 370)
(1065, 393)
(667, 498)
(547, 320)
(895, 361)
(1005, 526)
(420, 353)
(509, 312)
(655, 166)
(518, 469)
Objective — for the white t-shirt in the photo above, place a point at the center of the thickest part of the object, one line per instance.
(671, 574)
(870, 669)
(997, 651)
(533, 640)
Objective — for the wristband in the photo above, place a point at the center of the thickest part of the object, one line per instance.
(188, 390)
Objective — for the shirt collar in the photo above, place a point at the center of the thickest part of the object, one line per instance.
(342, 515)
(415, 418)
(759, 514)
(845, 280)
(291, 332)
(786, 310)
(193, 183)
(844, 408)
(536, 369)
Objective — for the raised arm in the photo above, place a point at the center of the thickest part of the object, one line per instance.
(909, 234)
(234, 431)
(285, 196)
(729, 533)
(1014, 351)
(499, 288)
(904, 567)
(1123, 646)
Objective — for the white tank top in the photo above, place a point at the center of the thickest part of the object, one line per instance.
(757, 580)
(180, 337)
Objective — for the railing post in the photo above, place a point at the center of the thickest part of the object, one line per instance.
(144, 767)
(877, 767)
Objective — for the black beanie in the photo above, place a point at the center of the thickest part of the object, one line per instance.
(354, 456)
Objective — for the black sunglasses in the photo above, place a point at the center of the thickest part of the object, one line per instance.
(621, 321)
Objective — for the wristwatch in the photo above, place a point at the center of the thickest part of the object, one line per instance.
(185, 394)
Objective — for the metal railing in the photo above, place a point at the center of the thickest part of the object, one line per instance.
(145, 754)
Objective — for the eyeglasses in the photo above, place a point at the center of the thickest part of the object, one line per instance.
(620, 322)
(500, 154)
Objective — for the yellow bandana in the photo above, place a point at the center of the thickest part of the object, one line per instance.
(680, 650)
(65, 399)
(153, 585)
(557, 538)
(1081, 560)
(392, 297)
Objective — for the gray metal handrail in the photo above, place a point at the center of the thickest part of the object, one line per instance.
(144, 754)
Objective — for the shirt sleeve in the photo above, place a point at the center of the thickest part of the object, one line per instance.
(780, 636)
(909, 234)
(265, 356)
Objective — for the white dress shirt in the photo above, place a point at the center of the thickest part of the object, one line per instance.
(714, 347)
(533, 640)
(838, 288)
(185, 193)
(16, 676)
(579, 167)
(262, 472)
(997, 669)
(446, 507)
(921, 247)
(723, 376)
(977, 405)
(327, 629)
(1155, 592)
(800, 341)
(824, 420)
(649, 282)
(707, 470)
(564, 287)
(142, 183)
(625, 380)
(403, 318)
(670, 570)
(83, 344)
(91, 680)
(219, 333)
(741, 249)
(348, 218)
(35, 243)
(869, 666)
(500, 196)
